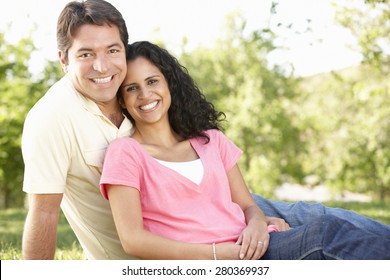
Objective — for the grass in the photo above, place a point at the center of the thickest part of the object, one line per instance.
(68, 248)
(11, 231)
(379, 211)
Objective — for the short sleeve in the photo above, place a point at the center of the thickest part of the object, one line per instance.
(121, 165)
(229, 152)
(46, 151)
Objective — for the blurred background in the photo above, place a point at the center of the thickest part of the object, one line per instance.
(305, 86)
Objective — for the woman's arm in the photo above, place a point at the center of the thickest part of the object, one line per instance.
(256, 230)
(136, 241)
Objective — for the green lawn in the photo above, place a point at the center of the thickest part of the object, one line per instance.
(12, 221)
(11, 230)
(379, 211)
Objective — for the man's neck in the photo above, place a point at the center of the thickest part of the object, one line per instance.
(113, 112)
(116, 118)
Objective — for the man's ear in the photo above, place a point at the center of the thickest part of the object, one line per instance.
(63, 61)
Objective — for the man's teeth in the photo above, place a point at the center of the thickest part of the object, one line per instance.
(102, 80)
(149, 106)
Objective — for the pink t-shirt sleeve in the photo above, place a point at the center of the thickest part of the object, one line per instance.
(228, 151)
(121, 165)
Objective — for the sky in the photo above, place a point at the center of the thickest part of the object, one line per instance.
(200, 21)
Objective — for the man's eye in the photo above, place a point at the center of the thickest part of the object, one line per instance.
(85, 55)
(114, 51)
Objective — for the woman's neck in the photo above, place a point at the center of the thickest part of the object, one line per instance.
(164, 144)
(158, 136)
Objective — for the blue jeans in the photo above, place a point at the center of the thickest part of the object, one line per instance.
(300, 213)
(327, 238)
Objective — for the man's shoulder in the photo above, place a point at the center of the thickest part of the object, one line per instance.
(60, 93)
(59, 98)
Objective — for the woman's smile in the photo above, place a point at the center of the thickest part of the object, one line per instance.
(149, 106)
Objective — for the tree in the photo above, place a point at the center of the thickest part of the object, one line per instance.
(365, 163)
(19, 91)
(347, 121)
(257, 100)
(369, 22)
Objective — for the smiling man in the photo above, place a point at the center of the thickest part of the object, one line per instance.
(66, 134)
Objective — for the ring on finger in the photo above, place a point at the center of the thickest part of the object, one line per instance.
(260, 242)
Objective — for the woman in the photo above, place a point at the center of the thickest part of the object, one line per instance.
(175, 188)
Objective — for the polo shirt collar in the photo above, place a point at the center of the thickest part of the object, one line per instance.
(126, 126)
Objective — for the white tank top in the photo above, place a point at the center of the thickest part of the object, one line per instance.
(193, 170)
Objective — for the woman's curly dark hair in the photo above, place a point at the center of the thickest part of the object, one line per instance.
(190, 113)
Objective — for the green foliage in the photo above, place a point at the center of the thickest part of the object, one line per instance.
(369, 23)
(19, 91)
(350, 128)
(236, 77)
(345, 116)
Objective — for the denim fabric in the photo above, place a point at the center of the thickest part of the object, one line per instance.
(300, 213)
(327, 238)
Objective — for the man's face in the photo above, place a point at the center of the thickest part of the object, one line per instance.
(96, 62)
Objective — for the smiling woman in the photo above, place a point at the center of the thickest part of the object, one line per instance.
(147, 97)
(174, 122)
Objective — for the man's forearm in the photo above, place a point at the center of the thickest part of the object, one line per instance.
(39, 237)
(40, 230)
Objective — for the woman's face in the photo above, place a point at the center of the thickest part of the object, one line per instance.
(145, 92)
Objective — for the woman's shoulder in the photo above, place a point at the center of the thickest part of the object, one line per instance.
(125, 148)
(215, 137)
(215, 134)
(124, 142)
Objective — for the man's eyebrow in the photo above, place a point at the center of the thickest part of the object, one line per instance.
(115, 45)
(85, 49)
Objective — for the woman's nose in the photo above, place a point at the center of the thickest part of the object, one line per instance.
(144, 92)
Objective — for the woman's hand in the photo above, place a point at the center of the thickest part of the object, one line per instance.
(281, 224)
(254, 240)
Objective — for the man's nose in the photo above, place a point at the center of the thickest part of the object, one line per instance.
(101, 64)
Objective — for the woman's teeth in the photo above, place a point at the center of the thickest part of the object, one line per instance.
(149, 106)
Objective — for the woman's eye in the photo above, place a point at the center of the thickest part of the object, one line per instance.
(151, 82)
(131, 88)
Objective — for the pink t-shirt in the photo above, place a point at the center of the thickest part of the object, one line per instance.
(172, 205)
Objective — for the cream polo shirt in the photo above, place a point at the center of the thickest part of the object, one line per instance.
(64, 140)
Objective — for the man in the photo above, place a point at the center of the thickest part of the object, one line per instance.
(67, 131)
(66, 134)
